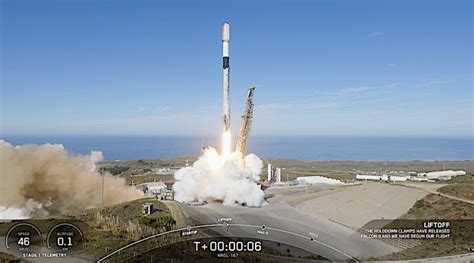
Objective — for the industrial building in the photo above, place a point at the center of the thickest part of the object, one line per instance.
(412, 176)
(159, 190)
(150, 189)
(148, 208)
(383, 178)
(274, 174)
(165, 194)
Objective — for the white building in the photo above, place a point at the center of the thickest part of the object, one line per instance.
(395, 178)
(444, 175)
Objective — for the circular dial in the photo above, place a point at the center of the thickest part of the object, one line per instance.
(24, 237)
(65, 237)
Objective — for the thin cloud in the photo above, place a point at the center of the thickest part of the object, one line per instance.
(355, 90)
(332, 100)
(141, 108)
(302, 105)
(434, 82)
(376, 34)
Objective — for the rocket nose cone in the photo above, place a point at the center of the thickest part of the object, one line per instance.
(226, 32)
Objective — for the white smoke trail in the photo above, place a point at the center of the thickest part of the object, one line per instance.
(230, 179)
(39, 180)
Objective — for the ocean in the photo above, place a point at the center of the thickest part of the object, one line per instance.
(296, 148)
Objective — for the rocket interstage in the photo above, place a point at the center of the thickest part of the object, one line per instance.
(225, 71)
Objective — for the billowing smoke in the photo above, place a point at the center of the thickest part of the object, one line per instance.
(230, 179)
(40, 180)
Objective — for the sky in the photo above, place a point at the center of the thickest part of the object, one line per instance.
(365, 68)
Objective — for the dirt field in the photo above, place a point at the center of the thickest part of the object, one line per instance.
(357, 205)
(464, 191)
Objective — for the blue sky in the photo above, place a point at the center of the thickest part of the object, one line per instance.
(371, 68)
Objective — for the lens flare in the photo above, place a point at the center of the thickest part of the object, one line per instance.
(226, 143)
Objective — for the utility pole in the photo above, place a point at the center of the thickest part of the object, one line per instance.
(103, 181)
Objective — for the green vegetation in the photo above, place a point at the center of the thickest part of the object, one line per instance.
(162, 223)
(469, 179)
(110, 228)
(435, 206)
(143, 164)
(4, 257)
(147, 178)
(116, 169)
(464, 189)
(421, 204)
(118, 225)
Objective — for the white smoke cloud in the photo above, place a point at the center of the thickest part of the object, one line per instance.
(30, 208)
(37, 180)
(232, 180)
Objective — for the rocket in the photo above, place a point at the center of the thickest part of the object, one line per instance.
(225, 70)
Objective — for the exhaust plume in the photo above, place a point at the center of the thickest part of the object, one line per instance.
(37, 180)
(230, 179)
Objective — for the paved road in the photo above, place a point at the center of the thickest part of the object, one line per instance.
(341, 243)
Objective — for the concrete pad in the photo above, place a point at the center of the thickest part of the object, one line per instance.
(357, 205)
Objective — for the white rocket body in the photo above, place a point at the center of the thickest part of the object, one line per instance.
(225, 70)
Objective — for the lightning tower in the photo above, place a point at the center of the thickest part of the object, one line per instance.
(244, 132)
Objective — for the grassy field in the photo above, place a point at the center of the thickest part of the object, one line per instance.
(465, 191)
(140, 179)
(118, 225)
(4, 257)
(110, 228)
(460, 186)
